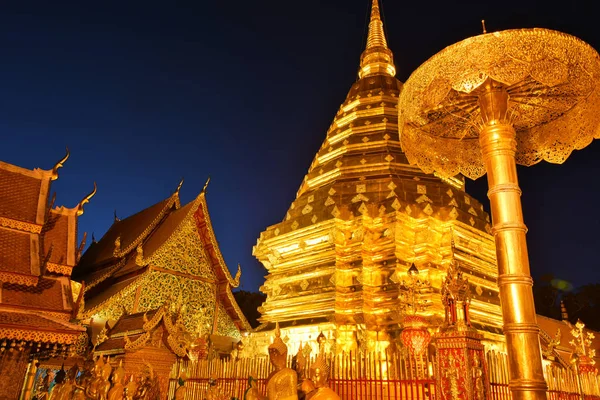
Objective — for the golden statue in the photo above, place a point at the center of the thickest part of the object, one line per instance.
(283, 382)
(305, 385)
(84, 380)
(148, 388)
(252, 392)
(118, 377)
(57, 390)
(65, 390)
(130, 389)
(96, 384)
(319, 373)
(104, 386)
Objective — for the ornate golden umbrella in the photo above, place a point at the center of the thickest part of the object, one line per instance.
(485, 104)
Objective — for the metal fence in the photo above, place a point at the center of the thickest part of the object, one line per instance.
(369, 377)
(374, 376)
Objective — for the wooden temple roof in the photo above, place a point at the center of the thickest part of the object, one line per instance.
(38, 250)
(126, 254)
(549, 327)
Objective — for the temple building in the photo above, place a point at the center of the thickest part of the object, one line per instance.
(362, 216)
(166, 254)
(38, 250)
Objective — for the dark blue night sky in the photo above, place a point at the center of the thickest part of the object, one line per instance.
(244, 91)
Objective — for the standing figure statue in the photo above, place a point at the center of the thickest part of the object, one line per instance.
(282, 384)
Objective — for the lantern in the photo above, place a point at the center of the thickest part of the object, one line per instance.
(415, 335)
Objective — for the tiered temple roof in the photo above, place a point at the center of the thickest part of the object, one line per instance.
(38, 251)
(164, 253)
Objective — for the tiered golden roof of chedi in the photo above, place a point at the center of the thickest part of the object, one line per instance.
(164, 253)
(38, 251)
(363, 214)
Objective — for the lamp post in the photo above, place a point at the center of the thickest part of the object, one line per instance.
(481, 106)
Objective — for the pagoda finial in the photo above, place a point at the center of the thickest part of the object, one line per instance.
(377, 59)
(85, 200)
(59, 165)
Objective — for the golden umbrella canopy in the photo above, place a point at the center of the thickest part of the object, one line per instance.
(552, 80)
(484, 104)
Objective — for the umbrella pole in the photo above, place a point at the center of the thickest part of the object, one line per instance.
(498, 146)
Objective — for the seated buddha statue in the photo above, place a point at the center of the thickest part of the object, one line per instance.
(319, 373)
(282, 384)
(118, 378)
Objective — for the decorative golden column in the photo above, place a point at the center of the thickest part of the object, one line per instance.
(484, 104)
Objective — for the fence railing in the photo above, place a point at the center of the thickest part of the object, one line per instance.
(352, 376)
(563, 383)
(373, 376)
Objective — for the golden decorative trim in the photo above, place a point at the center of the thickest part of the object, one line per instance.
(20, 225)
(114, 298)
(18, 279)
(59, 268)
(38, 336)
(102, 277)
(173, 200)
(238, 311)
(213, 240)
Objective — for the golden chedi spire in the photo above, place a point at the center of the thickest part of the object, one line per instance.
(377, 59)
(361, 216)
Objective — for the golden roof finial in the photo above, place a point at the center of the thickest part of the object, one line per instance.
(179, 186)
(483, 26)
(206, 185)
(377, 59)
(85, 200)
(59, 165)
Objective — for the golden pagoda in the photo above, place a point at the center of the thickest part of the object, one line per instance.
(362, 216)
(164, 254)
(38, 250)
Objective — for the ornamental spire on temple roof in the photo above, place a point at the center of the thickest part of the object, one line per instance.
(377, 59)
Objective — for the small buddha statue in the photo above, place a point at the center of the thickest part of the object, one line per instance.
(59, 381)
(305, 385)
(104, 387)
(319, 372)
(83, 381)
(130, 389)
(118, 378)
(92, 389)
(282, 384)
(252, 392)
